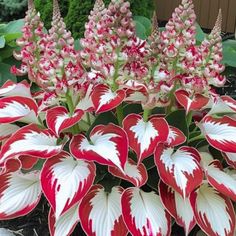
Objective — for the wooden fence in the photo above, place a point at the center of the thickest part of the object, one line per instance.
(206, 11)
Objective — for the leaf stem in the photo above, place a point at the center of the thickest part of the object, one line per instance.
(196, 138)
(146, 113)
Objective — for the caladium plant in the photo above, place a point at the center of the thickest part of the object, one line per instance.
(123, 136)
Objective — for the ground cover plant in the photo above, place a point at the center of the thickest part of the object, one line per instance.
(123, 136)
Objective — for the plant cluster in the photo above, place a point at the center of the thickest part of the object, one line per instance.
(123, 135)
(76, 12)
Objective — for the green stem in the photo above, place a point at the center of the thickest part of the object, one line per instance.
(199, 137)
(189, 118)
(88, 118)
(119, 114)
(146, 113)
(69, 101)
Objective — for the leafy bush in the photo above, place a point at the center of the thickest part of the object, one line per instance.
(76, 12)
(12, 9)
(125, 134)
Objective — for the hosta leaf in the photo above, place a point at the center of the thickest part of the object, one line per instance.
(213, 211)
(100, 212)
(19, 194)
(220, 132)
(220, 180)
(65, 181)
(108, 145)
(181, 169)
(144, 136)
(144, 213)
(104, 99)
(18, 109)
(136, 174)
(10, 88)
(30, 140)
(178, 207)
(66, 223)
(59, 119)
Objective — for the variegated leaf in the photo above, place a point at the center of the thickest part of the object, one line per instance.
(100, 212)
(178, 207)
(65, 181)
(7, 130)
(230, 157)
(18, 109)
(181, 169)
(65, 223)
(191, 104)
(144, 136)
(59, 119)
(144, 213)
(220, 180)
(19, 194)
(30, 140)
(136, 174)
(108, 145)
(10, 88)
(86, 104)
(213, 211)
(104, 99)
(220, 132)
(223, 104)
(175, 137)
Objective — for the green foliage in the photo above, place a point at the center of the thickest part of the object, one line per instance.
(75, 12)
(8, 34)
(229, 53)
(12, 9)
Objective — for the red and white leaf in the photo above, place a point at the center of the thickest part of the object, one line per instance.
(223, 104)
(27, 162)
(220, 132)
(181, 169)
(30, 140)
(220, 180)
(175, 137)
(230, 157)
(144, 136)
(65, 181)
(108, 145)
(59, 119)
(86, 103)
(191, 104)
(65, 224)
(104, 99)
(213, 211)
(18, 109)
(19, 194)
(7, 130)
(135, 174)
(10, 88)
(100, 212)
(136, 96)
(178, 207)
(144, 213)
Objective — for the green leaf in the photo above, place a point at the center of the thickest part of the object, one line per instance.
(140, 30)
(178, 120)
(132, 108)
(109, 181)
(103, 119)
(6, 52)
(229, 53)
(145, 22)
(14, 26)
(5, 73)
(200, 34)
(12, 36)
(153, 178)
(2, 42)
